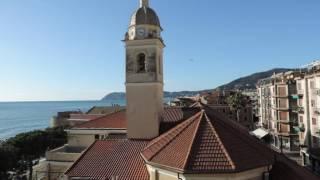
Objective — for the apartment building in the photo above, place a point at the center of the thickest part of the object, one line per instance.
(217, 100)
(308, 88)
(278, 109)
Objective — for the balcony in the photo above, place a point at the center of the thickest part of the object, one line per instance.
(316, 91)
(283, 121)
(283, 133)
(300, 92)
(280, 108)
(301, 128)
(316, 131)
(298, 109)
(286, 133)
(280, 95)
(64, 154)
(316, 111)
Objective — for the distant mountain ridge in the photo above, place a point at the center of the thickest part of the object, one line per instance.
(166, 94)
(247, 82)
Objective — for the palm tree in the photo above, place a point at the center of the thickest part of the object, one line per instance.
(236, 102)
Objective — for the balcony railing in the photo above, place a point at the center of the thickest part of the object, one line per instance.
(316, 131)
(280, 107)
(316, 91)
(298, 109)
(300, 92)
(316, 111)
(280, 95)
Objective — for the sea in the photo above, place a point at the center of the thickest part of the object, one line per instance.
(18, 117)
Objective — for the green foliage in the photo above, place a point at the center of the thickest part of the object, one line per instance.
(237, 101)
(18, 152)
(34, 144)
(8, 159)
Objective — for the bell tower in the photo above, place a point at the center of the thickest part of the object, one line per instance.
(144, 73)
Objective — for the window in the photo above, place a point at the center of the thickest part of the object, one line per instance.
(283, 103)
(301, 119)
(299, 86)
(141, 63)
(283, 115)
(282, 91)
(312, 85)
(314, 121)
(159, 64)
(313, 103)
(300, 102)
(96, 137)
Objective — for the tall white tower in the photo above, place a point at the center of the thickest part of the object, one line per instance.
(144, 73)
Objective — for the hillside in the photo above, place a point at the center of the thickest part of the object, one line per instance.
(122, 95)
(247, 82)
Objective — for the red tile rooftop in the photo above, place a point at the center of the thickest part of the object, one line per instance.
(115, 120)
(105, 160)
(169, 118)
(204, 144)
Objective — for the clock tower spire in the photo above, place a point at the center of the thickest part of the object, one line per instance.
(144, 73)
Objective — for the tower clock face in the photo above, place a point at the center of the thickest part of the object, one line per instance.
(140, 31)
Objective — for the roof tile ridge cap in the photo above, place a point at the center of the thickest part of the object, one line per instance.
(193, 139)
(98, 118)
(166, 134)
(180, 124)
(220, 142)
(80, 157)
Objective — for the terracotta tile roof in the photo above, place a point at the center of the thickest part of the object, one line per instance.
(172, 148)
(110, 159)
(176, 114)
(205, 144)
(172, 116)
(245, 151)
(116, 120)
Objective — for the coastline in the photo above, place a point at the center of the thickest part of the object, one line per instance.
(19, 117)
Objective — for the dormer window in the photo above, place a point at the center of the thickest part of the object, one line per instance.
(141, 63)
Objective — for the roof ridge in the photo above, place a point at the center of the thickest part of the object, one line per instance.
(90, 109)
(96, 119)
(196, 131)
(220, 142)
(188, 122)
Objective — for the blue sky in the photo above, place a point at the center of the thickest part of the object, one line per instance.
(71, 49)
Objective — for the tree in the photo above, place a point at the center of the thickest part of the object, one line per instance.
(32, 145)
(8, 159)
(236, 102)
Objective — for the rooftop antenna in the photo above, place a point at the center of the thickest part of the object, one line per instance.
(311, 65)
